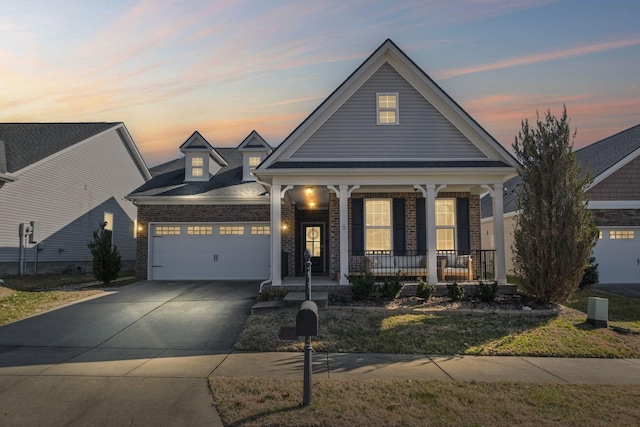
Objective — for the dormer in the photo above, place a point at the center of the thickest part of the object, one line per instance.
(202, 161)
(254, 150)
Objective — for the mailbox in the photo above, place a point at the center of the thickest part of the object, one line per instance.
(307, 319)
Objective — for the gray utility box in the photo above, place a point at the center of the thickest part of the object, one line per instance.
(307, 319)
(598, 312)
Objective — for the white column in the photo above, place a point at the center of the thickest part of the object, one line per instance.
(432, 260)
(498, 234)
(343, 197)
(276, 236)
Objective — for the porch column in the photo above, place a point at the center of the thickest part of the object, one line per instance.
(276, 236)
(498, 233)
(344, 234)
(432, 259)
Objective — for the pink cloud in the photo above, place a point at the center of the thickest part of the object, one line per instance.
(542, 57)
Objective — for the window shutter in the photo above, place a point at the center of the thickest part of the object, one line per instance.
(463, 225)
(421, 226)
(357, 227)
(398, 227)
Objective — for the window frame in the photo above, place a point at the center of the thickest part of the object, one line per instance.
(367, 227)
(447, 227)
(382, 109)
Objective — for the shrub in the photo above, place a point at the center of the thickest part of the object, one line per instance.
(487, 292)
(424, 290)
(455, 291)
(106, 258)
(271, 295)
(591, 275)
(392, 285)
(362, 285)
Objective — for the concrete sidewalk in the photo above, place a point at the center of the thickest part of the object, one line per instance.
(366, 366)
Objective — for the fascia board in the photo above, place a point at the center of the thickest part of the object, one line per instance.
(197, 200)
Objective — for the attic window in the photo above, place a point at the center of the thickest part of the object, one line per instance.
(254, 161)
(197, 166)
(387, 108)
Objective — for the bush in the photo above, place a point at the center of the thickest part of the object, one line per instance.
(106, 258)
(271, 295)
(487, 292)
(424, 290)
(591, 275)
(362, 285)
(455, 291)
(392, 285)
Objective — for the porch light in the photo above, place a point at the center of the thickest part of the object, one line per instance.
(312, 204)
(284, 227)
(309, 190)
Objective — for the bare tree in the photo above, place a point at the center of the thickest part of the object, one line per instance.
(555, 231)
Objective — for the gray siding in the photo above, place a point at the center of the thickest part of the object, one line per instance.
(68, 194)
(352, 132)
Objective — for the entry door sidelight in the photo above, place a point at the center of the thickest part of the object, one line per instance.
(314, 242)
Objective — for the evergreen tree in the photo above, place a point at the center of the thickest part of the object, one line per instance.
(555, 232)
(106, 258)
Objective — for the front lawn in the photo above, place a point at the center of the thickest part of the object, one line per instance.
(366, 331)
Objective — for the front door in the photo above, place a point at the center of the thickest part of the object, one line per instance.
(313, 235)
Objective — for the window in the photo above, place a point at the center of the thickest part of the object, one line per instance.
(260, 229)
(387, 108)
(231, 230)
(445, 224)
(167, 230)
(254, 161)
(377, 225)
(621, 234)
(197, 166)
(108, 219)
(200, 230)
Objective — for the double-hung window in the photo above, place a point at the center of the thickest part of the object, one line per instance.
(377, 225)
(445, 224)
(197, 166)
(254, 161)
(387, 108)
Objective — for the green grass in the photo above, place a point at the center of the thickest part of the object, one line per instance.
(363, 331)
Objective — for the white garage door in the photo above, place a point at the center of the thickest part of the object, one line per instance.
(230, 251)
(617, 253)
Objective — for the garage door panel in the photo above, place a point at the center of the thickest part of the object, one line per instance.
(214, 256)
(618, 256)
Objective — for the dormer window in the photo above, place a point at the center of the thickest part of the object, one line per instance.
(197, 167)
(387, 108)
(254, 161)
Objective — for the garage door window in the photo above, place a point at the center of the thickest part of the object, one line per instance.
(260, 229)
(621, 234)
(199, 230)
(167, 230)
(231, 230)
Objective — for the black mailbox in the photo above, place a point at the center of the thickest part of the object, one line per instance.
(307, 319)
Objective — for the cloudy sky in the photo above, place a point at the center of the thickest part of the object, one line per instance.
(225, 68)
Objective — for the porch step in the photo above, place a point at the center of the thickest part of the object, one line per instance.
(409, 289)
(294, 299)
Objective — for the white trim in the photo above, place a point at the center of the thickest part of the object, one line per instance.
(613, 204)
(196, 200)
(616, 167)
(5, 177)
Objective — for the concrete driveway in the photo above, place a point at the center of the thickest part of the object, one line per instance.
(139, 355)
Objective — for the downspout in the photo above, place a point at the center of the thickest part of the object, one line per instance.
(270, 279)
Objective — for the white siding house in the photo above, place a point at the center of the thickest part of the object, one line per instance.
(68, 177)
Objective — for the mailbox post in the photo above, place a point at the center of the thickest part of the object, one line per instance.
(307, 325)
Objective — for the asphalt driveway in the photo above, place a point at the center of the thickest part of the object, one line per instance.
(139, 355)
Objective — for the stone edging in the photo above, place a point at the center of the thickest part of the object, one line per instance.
(475, 312)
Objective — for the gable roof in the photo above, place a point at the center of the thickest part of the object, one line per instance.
(600, 160)
(197, 142)
(28, 143)
(388, 53)
(254, 142)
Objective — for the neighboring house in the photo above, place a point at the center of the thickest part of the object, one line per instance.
(385, 175)
(614, 199)
(67, 178)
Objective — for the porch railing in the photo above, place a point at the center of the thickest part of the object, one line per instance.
(451, 265)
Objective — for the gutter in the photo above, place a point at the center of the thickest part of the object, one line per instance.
(270, 279)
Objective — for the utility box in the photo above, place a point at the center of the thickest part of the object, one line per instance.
(307, 319)
(34, 237)
(598, 312)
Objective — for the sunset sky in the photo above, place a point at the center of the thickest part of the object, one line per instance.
(225, 68)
